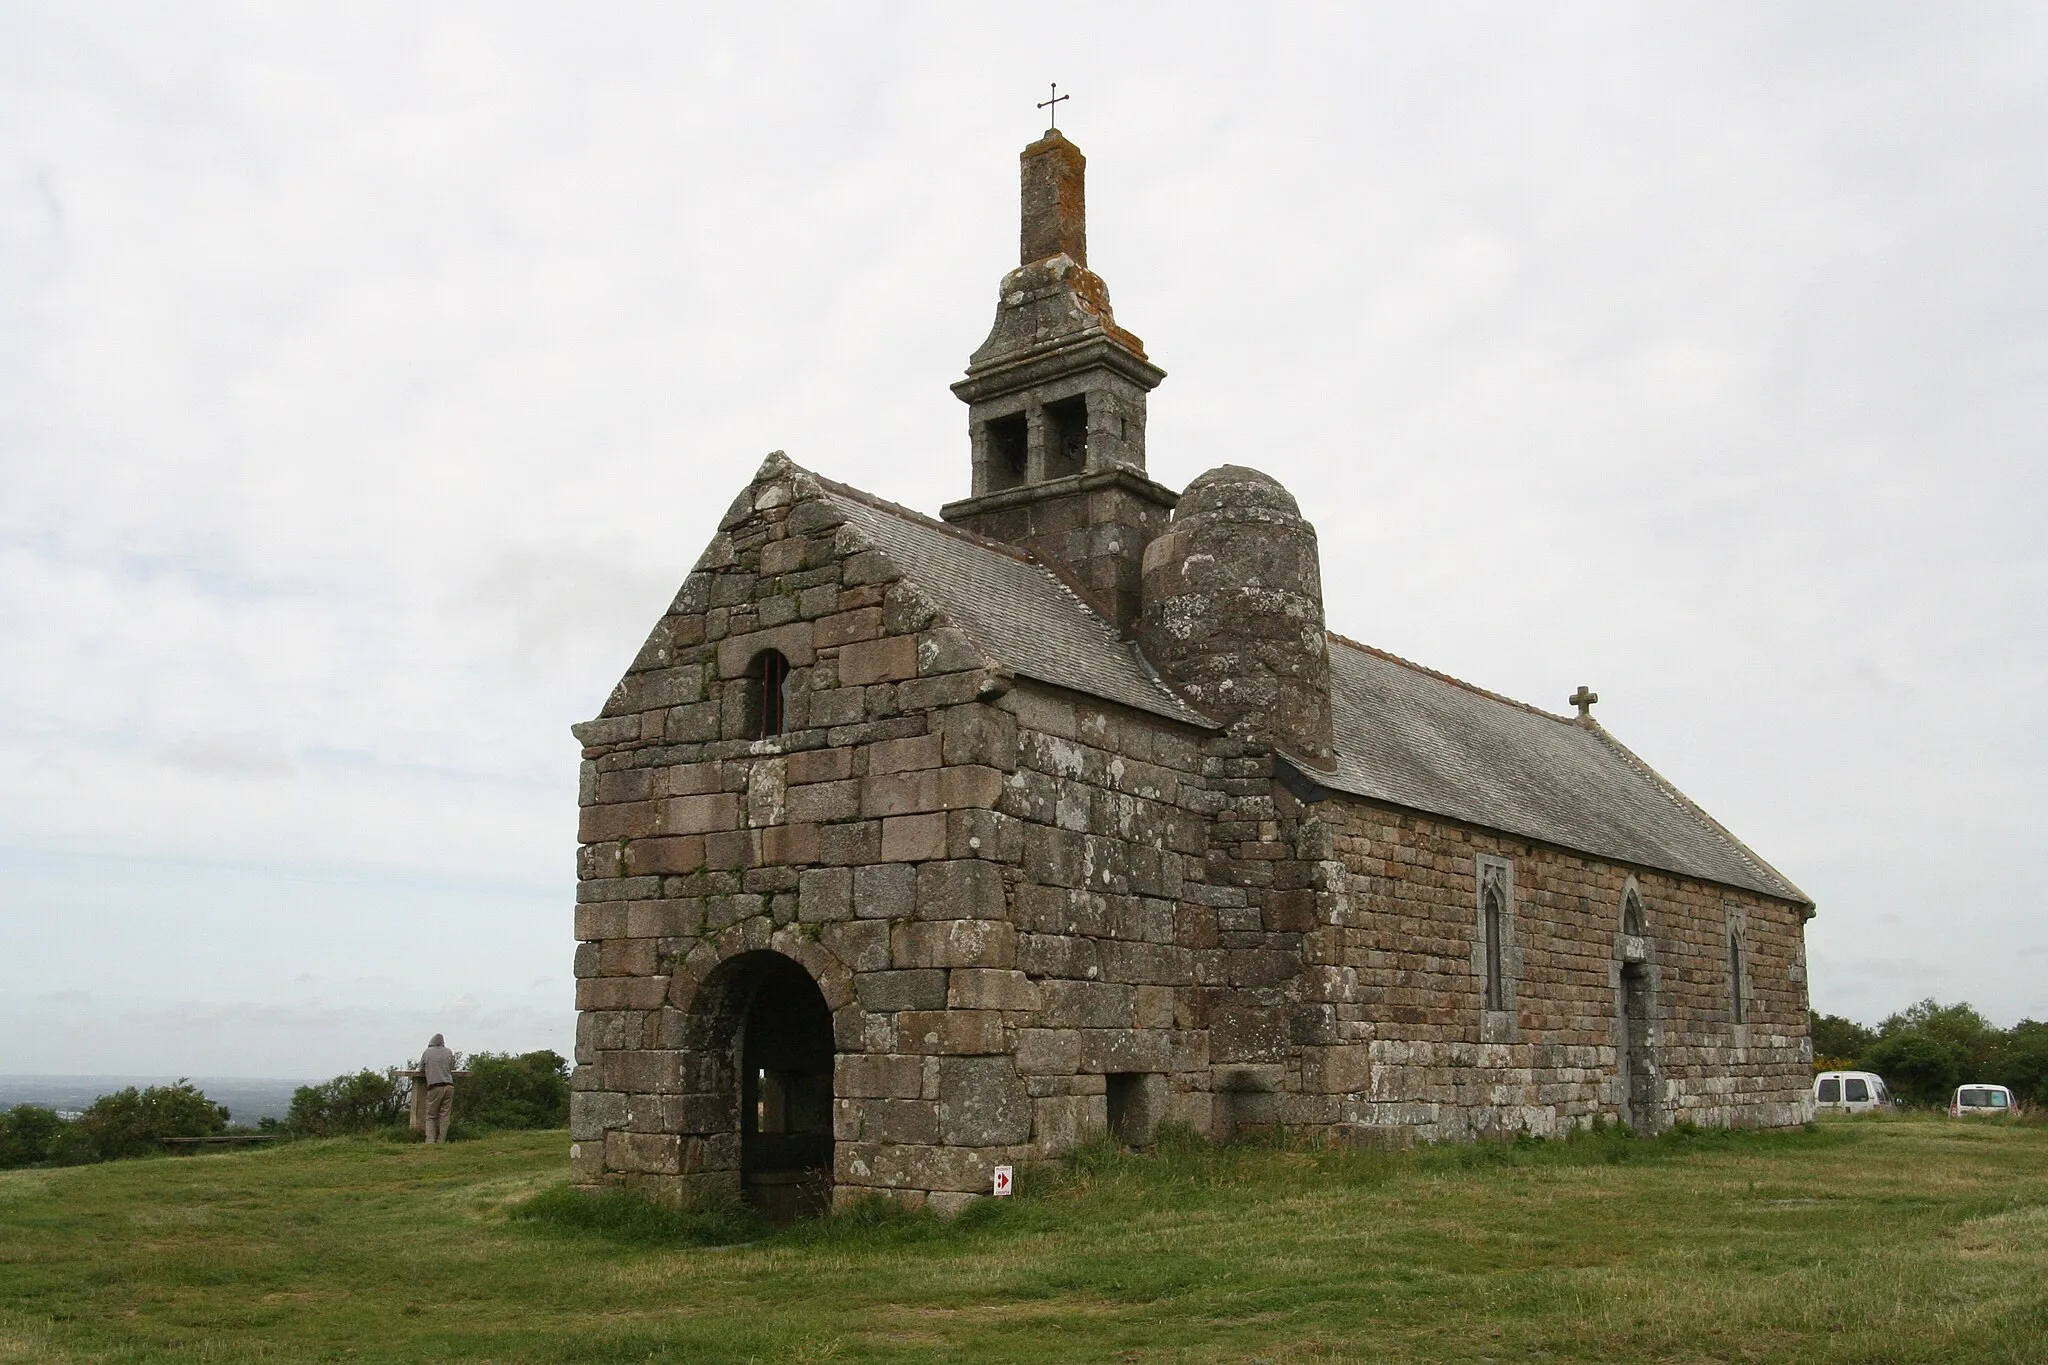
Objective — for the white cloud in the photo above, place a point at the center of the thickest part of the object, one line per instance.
(236, 756)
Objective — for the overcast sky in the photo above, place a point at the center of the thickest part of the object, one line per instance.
(370, 378)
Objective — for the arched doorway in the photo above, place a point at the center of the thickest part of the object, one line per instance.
(785, 1053)
(1638, 1066)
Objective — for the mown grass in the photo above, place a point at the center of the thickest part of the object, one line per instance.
(1875, 1239)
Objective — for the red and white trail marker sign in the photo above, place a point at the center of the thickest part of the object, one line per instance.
(1006, 1180)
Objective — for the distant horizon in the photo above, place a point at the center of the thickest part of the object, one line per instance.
(134, 1076)
(248, 1099)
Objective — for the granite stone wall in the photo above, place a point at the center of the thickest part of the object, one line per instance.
(1441, 1068)
(862, 843)
(1034, 916)
(1111, 916)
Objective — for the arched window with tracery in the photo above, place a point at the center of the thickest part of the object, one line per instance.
(767, 694)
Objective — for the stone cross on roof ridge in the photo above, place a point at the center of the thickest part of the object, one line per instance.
(1584, 699)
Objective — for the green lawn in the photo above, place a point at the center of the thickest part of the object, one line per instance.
(1883, 1239)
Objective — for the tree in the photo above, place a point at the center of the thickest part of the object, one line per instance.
(1920, 1068)
(134, 1122)
(29, 1134)
(1958, 1026)
(1840, 1039)
(361, 1102)
(503, 1091)
(2026, 1061)
(1927, 1049)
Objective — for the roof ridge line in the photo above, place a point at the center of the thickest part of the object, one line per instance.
(1021, 556)
(1441, 676)
(1685, 803)
(881, 504)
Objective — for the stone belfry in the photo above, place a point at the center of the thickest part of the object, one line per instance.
(1056, 406)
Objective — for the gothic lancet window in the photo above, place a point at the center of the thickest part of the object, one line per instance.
(767, 694)
(1738, 952)
(1735, 1010)
(1493, 908)
(1633, 922)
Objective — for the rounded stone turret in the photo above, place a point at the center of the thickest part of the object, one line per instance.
(1233, 611)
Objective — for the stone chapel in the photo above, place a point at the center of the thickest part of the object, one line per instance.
(915, 846)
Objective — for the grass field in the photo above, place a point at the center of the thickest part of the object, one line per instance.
(1876, 1239)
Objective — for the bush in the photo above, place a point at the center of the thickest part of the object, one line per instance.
(29, 1135)
(1836, 1037)
(134, 1122)
(501, 1090)
(530, 1090)
(359, 1103)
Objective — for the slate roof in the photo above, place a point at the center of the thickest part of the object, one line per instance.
(1413, 737)
(1404, 734)
(1010, 605)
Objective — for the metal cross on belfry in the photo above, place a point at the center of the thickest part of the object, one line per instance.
(1584, 699)
(1054, 104)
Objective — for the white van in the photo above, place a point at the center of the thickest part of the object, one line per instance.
(1850, 1092)
(1980, 1101)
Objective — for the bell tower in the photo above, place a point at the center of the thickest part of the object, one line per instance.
(1056, 405)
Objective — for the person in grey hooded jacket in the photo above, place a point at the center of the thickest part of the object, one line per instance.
(437, 1068)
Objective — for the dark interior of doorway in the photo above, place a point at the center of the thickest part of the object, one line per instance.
(1638, 1068)
(786, 1093)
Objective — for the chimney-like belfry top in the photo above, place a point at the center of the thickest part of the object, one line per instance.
(1055, 201)
(1056, 404)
